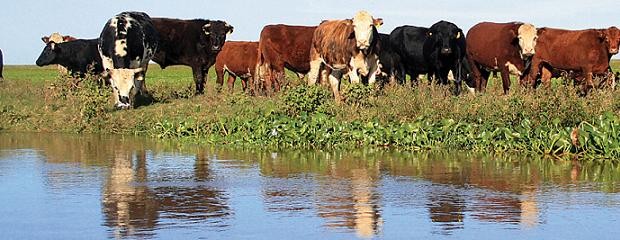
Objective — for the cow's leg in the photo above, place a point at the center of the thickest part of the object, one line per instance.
(545, 76)
(334, 81)
(315, 67)
(231, 82)
(199, 79)
(588, 83)
(531, 77)
(353, 77)
(505, 79)
(476, 74)
(484, 79)
(244, 83)
(219, 74)
(401, 75)
(373, 68)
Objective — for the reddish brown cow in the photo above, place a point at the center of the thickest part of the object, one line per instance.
(348, 46)
(238, 59)
(586, 52)
(283, 46)
(502, 47)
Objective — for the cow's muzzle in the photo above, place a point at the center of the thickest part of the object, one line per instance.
(613, 51)
(528, 54)
(446, 51)
(123, 99)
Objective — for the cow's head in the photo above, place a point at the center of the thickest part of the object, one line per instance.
(527, 35)
(445, 36)
(123, 81)
(611, 36)
(364, 26)
(48, 56)
(214, 34)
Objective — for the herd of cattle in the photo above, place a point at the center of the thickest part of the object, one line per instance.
(351, 47)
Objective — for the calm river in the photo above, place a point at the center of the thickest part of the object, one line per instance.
(92, 187)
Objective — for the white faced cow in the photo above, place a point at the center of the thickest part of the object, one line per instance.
(345, 46)
(126, 45)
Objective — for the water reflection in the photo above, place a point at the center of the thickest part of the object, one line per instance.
(136, 201)
(146, 187)
(143, 190)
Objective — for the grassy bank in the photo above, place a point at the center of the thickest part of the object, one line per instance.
(552, 121)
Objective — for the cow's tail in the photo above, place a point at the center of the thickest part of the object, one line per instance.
(259, 73)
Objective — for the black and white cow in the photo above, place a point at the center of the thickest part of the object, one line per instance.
(78, 56)
(389, 61)
(126, 45)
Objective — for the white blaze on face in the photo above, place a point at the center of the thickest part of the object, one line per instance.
(527, 35)
(363, 27)
(123, 80)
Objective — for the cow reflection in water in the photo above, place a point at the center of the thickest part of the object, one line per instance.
(133, 208)
(344, 193)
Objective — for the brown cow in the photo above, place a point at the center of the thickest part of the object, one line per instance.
(350, 45)
(283, 46)
(587, 52)
(58, 38)
(238, 59)
(612, 40)
(502, 47)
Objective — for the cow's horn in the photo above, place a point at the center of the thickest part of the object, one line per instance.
(458, 35)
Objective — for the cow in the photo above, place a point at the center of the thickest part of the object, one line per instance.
(283, 46)
(503, 47)
(1, 65)
(58, 38)
(77, 56)
(434, 51)
(238, 59)
(194, 43)
(348, 46)
(127, 43)
(389, 60)
(587, 52)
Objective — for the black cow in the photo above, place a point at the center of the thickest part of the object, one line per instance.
(193, 43)
(389, 60)
(126, 45)
(434, 51)
(1, 66)
(78, 56)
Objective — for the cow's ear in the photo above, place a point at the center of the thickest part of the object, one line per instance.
(378, 22)
(45, 39)
(230, 29)
(67, 38)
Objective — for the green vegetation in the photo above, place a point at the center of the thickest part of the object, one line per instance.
(555, 122)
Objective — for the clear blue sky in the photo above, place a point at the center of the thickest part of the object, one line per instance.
(24, 22)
